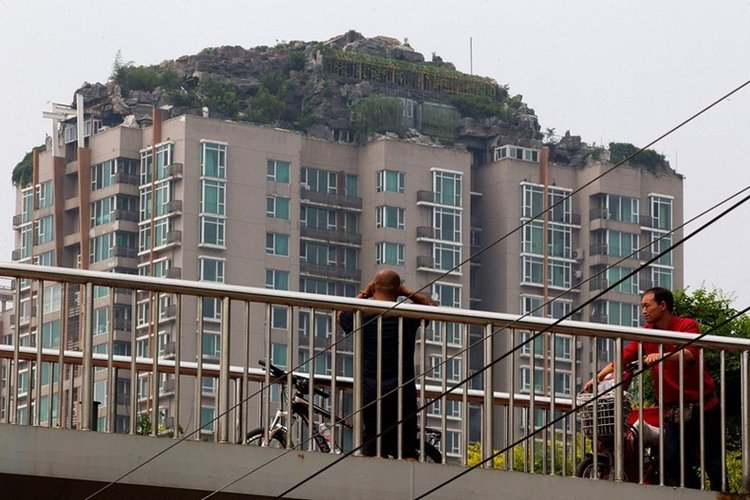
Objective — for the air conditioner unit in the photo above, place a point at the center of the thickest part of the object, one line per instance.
(578, 274)
(579, 344)
(305, 186)
(578, 254)
(579, 381)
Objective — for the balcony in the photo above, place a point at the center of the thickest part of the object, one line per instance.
(173, 273)
(598, 249)
(127, 178)
(330, 272)
(174, 236)
(329, 199)
(20, 219)
(125, 215)
(174, 207)
(173, 170)
(433, 198)
(565, 218)
(331, 236)
(425, 262)
(123, 251)
(598, 284)
(599, 318)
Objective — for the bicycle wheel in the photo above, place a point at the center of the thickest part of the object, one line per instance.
(255, 438)
(586, 469)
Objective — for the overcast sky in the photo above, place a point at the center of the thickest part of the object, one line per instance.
(624, 71)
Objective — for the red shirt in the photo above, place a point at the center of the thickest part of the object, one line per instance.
(672, 368)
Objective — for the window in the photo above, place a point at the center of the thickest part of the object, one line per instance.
(312, 285)
(213, 160)
(532, 305)
(560, 273)
(279, 317)
(51, 334)
(277, 280)
(615, 207)
(662, 243)
(447, 257)
(661, 212)
(436, 372)
(211, 344)
(447, 224)
(101, 320)
(207, 420)
(213, 197)
(453, 443)
(617, 313)
(533, 236)
(447, 187)
(392, 217)
(318, 218)
(526, 380)
(319, 254)
(44, 194)
(532, 200)
(389, 253)
(45, 258)
(27, 204)
(277, 207)
(563, 346)
(52, 296)
(212, 269)
(517, 152)
(559, 238)
(277, 244)
(391, 181)
(560, 308)
(532, 270)
(45, 230)
(277, 171)
(629, 285)
(164, 153)
(617, 243)
(279, 354)
(212, 231)
(447, 295)
(453, 409)
(661, 277)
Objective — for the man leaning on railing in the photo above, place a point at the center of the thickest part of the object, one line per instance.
(386, 285)
(657, 305)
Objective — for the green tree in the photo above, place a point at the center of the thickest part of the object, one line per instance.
(22, 172)
(376, 113)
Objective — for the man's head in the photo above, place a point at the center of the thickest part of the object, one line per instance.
(387, 283)
(657, 304)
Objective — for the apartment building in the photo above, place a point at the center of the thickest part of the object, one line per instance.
(211, 200)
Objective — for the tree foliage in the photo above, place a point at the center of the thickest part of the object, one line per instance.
(22, 172)
(376, 114)
(648, 158)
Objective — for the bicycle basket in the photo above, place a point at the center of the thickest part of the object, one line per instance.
(605, 413)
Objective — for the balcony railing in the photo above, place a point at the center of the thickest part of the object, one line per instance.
(330, 199)
(332, 236)
(242, 336)
(330, 272)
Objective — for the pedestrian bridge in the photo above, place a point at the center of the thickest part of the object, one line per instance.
(155, 402)
(67, 464)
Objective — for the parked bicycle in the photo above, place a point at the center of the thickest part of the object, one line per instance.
(322, 432)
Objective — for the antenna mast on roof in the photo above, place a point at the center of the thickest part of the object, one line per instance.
(471, 57)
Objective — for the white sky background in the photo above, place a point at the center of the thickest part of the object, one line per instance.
(624, 71)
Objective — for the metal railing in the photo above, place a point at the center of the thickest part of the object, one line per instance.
(474, 370)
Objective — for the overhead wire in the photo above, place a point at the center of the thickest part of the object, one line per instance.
(310, 360)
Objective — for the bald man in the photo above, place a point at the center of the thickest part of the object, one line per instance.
(386, 285)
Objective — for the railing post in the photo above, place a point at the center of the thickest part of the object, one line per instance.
(488, 398)
(87, 374)
(745, 404)
(618, 423)
(357, 389)
(224, 389)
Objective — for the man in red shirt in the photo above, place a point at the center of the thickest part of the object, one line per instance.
(657, 305)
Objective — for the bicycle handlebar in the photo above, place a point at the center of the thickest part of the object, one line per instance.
(301, 383)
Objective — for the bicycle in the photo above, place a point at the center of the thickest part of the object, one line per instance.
(322, 433)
